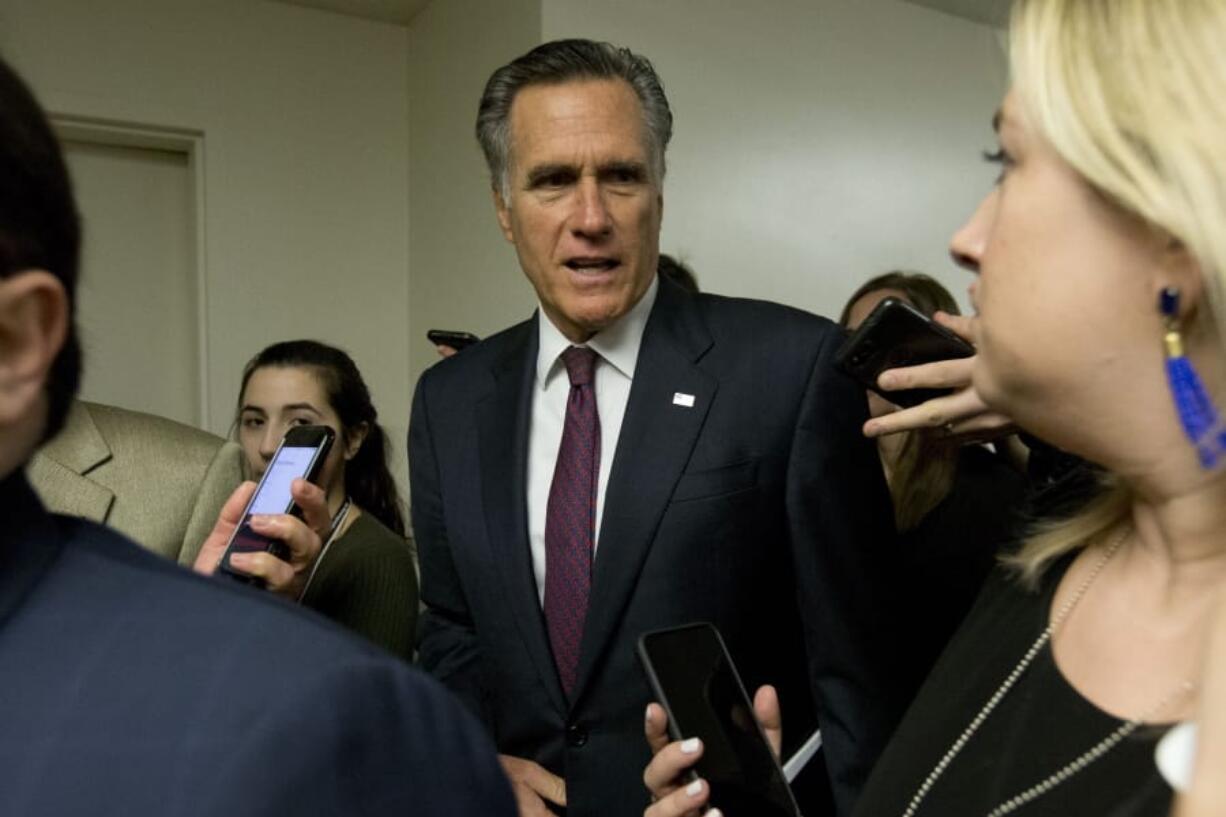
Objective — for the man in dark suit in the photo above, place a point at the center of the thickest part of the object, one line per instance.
(634, 457)
(131, 686)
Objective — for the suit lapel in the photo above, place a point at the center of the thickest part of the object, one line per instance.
(654, 445)
(502, 426)
(61, 469)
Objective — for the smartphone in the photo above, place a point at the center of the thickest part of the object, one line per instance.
(896, 334)
(455, 339)
(694, 679)
(301, 453)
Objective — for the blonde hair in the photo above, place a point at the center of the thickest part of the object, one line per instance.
(1132, 95)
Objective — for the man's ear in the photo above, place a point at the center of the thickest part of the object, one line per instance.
(504, 214)
(354, 439)
(33, 327)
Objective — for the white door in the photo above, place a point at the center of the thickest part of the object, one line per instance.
(138, 304)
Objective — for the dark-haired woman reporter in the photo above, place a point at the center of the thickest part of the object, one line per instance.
(955, 505)
(361, 572)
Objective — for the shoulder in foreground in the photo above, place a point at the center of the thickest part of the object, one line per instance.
(194, 613)
(228, 678)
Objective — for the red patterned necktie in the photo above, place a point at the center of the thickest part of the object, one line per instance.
(570, 517)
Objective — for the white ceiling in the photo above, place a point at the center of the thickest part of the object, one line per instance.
(993, 12)
(400, 12)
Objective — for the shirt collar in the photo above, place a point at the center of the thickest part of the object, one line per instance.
(618, 344)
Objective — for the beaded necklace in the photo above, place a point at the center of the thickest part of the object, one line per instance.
(1081, 761)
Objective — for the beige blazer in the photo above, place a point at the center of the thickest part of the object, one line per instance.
(159, 482)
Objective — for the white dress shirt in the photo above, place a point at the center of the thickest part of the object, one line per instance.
(617, 348)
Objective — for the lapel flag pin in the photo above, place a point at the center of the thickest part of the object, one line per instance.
(680, 399)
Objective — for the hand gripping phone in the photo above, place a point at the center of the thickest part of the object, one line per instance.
(301, 454)
(455, 339)
(896, 334)
(694, 679)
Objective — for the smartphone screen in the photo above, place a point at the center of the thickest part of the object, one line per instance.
(273, 495)
(698, 686)
(300, 455)
(290, 463)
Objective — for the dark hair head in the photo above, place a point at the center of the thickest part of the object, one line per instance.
(39, 225)
(560, 61)
(923, 292)
(925, 463)
(367, 478)
(673, 270)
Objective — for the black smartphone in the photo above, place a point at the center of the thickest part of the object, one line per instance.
(896, 334)
(694, 679)
(301, 453)
(455, 339)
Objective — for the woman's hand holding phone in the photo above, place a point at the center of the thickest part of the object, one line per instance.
(963, 414)
(671, 793)
(304, 538)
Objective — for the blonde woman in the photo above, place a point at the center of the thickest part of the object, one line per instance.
(1101, 256)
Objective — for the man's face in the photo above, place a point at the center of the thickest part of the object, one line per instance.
(585, 205)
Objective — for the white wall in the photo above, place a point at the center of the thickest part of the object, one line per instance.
(304, 116)
(816, 142)
(464, 274)
(140, 205)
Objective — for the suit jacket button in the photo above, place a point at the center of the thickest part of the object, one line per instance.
(576, 736)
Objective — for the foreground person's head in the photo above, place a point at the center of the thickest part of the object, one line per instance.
(40, 237)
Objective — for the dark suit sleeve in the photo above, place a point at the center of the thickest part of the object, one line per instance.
(447, 643)
(842, 535)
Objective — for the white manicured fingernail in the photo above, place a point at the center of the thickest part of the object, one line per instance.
(647, 714)
(690, 746)
(694, 788)
(715, 813)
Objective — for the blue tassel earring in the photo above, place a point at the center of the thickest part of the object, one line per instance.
(1200, 418)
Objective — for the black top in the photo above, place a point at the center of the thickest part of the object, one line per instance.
(946, 559)
(1040, 726)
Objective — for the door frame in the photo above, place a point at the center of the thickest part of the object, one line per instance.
(190, 143)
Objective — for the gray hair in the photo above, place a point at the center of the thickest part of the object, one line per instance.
(562, 61)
